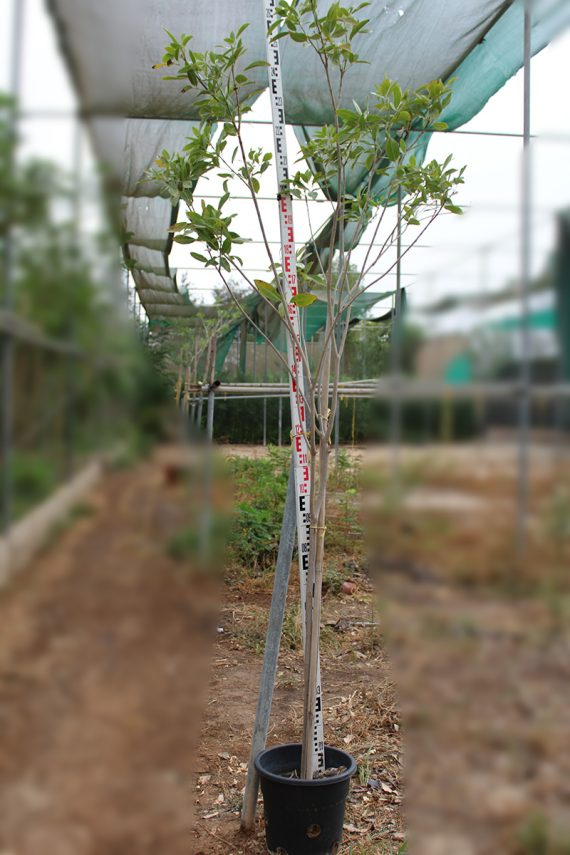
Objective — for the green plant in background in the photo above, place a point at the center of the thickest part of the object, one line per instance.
(556, 518)
(280, 458)
(88, 395)
(333, 577)
(554, 586)
(253, 540)
(377, 141)
(34, 478)
(538, 837)
(26, 188)
(181, 350)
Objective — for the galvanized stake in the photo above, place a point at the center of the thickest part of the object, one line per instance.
(265, 381)
(526, 198)
(396, 356)
(6, 341)
(271, 655)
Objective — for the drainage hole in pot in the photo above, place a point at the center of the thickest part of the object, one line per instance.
(313, 830)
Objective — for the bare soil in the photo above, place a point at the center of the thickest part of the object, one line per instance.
(116, 738)
(112, 739)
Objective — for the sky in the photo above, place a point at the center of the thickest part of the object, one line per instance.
(459, 255)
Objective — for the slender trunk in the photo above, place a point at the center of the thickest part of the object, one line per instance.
(178, 390)
(314, 597)
(315, 575)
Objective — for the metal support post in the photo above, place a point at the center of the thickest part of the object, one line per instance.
(206, 532)
(271, 654)
(525, 377)
(70, 365)
(337, 411)
(396, 356)
(265, 380)
(280, 404)
(211, 389)
(6, 340)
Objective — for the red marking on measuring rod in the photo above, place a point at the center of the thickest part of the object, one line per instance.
(297, 382)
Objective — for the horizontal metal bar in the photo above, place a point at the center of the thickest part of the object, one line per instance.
(56, 113)
(406, 390)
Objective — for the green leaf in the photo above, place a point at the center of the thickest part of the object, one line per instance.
(259, 63)
(267, 290)
(303, 300)
(320, 294)
(392, 149)
(199, 257)
(183, 239)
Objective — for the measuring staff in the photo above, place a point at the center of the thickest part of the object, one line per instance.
(298, 398)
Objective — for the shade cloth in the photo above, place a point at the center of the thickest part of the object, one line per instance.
(132, 113)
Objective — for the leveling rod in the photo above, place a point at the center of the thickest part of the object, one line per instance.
(300, 450)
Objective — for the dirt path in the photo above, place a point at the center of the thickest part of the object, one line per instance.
(100, 692)
(97, 714)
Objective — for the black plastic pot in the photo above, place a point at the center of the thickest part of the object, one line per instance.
(303, 817)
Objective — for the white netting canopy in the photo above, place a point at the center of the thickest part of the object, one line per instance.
(133, 114)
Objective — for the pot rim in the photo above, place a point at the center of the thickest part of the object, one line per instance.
(296, 782)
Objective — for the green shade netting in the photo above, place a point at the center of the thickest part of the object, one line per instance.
(459, 370)
(313, 321)
(545, 319)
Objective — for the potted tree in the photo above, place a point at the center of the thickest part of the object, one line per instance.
(362, 159)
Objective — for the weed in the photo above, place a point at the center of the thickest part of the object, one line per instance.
(333, 577)
(184, 544)
(364, 770)
(252, 630)
(291, 635)
(536, 837)
(82, 510)
(378, 848)
(254, 539)
(280, 458)
(556, 518)
(345, 475)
